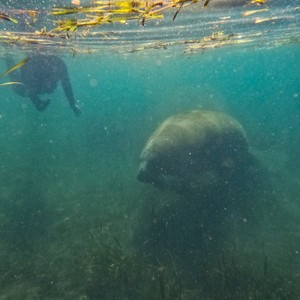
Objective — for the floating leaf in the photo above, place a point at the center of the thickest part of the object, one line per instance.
(18, 65)
(251, 12)
(10, 83)
(7, 18)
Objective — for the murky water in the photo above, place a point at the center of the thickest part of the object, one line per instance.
(75, 223)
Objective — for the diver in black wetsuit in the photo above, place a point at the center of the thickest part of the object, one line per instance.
(40, 75)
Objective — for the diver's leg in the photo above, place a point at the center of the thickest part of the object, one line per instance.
(15, 76)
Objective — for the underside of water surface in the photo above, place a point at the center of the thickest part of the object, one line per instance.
(129, 26)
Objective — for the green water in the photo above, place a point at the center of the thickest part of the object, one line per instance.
(76, 224)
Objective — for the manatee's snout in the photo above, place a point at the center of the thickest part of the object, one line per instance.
(144, 174)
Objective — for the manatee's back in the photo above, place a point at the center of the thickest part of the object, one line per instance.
(217, 137)
(192, 143)
(195, 128)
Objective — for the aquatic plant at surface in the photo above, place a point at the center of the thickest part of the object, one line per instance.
(122, 12)
(84, 28)
(13, 68)
(7, 18)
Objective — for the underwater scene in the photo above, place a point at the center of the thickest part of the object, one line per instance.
(161, 166)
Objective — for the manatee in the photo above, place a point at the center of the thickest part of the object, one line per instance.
(194, 143)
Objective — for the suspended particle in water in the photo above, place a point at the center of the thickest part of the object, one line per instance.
(158, 62)
(93, 82)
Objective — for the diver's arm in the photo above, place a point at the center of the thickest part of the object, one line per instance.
(66, 84)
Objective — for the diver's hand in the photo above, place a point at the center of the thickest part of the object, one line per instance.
(76, 110)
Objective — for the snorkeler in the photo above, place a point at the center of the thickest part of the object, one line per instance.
(40, 75)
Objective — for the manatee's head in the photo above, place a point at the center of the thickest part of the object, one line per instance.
(149, 171)
(144, 173)
(154, 170)
(157, 159)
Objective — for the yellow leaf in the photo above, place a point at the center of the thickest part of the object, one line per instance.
(18, 65)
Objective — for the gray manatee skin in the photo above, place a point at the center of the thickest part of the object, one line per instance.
(193, 143)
